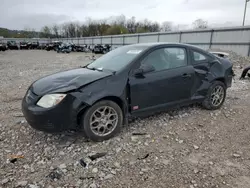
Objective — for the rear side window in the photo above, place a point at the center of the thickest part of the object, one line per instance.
(198, 57)
(179, 53)
(166, 58)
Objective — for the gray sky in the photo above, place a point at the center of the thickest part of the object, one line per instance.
(20, 14)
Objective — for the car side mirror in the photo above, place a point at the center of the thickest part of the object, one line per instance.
(144, 69)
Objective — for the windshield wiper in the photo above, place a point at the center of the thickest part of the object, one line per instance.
(93, 68)
(99, 69)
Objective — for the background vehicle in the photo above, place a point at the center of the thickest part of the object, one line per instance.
(86, 48)
(53, 46)
(78, 48)
(34, 45)
(24, 45)
(101, 48)
(41, 46)
(64, 48)
(130, 81)
(3, 47)
(12, 45)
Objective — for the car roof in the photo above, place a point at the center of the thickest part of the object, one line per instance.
(155, 44)
(152, 44)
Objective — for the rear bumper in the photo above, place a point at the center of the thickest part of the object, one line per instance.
(229, 78)
(56, 119)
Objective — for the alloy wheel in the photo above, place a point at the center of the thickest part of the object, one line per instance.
(217, 95)
(103, 121)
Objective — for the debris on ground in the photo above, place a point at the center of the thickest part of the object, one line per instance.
(97, 155)
(14, 158)
(139, 134)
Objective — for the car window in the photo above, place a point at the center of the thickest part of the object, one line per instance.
(198, 57)
(166, 58)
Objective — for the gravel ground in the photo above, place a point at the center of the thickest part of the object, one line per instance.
(185, 148)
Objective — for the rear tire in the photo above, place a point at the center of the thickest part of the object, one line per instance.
(215, 96)
(102, 121)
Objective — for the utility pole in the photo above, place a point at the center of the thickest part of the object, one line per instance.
(244, 17)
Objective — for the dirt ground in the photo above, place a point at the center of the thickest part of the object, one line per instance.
(186, 148)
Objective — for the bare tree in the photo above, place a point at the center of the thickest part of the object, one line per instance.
(92, 27)
(121, 20)
(65, 32)
(200, 24)
(147, 26)
(142, 26)
(46, 32)
(103, 27)
(78, 30)
(154, 27)
(131, 25)
(166, 26)
(84, 30)
(55, 29)
(117, 20)
(112, 25)
(72, 29)
(29, 32)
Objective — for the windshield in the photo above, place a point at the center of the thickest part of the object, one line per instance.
(117, 59)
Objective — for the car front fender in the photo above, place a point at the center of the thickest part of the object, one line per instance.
(107, 87)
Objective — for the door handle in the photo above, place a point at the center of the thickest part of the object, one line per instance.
(185, 75)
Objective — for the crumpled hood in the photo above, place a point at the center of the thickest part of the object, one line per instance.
(66, 80)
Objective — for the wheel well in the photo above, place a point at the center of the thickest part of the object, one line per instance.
(221, 80)
(117, 100)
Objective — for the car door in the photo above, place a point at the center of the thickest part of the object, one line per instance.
(170, 83)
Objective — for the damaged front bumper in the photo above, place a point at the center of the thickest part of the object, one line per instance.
(56, 119)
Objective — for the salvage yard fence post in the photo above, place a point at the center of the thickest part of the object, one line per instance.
(180, 37)
(211, 39)
(249, 49)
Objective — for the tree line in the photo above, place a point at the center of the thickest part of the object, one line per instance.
(112, 26)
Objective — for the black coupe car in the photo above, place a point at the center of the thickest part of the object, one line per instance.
(130, 81)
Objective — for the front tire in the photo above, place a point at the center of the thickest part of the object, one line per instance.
(102, 121)
(215, 96)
